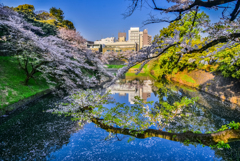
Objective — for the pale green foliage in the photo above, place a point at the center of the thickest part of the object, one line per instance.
(84, 105)
(231, 125)
(225, 59)
(220, 145)
(234, 125)
(184, 25)
(30, 62)
(131, 117)
(170, 62)
(165, 113)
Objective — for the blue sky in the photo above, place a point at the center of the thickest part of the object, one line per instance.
(96, 19)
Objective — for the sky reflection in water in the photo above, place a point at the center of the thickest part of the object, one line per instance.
(50, 137)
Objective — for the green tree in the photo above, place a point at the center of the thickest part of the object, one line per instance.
(26, 9)
(45, 16)
(172, 61)
(184, 24)
(58, 13)
(68, 24)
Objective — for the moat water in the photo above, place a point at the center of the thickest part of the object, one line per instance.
(30, 133)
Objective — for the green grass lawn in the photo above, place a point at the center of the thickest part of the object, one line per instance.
(133, 74)
(11, 87)
(115, 66)
(139, 65)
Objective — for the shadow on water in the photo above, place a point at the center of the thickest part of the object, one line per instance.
(31, 134)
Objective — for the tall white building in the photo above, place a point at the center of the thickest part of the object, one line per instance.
(133, 34)
(140, 37)
(105, 40)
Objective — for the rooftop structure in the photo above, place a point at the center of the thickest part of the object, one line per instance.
(122, 36)
(105, 40)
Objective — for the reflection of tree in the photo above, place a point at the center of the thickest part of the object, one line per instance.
(143, 120)
(230, 154)
(32, 134)
(206, 139)
(195, 117)
(139, 119)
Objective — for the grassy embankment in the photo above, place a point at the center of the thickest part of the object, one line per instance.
(12, 89)
(152, 70)
(131, 72)
(115, 66)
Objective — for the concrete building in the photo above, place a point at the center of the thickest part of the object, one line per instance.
(94, 47)
(147, 39)
(122, 39)
(133, 35)
(140, 40)
(122, 36)
(120, 46)
(105, 40)
(140, 37)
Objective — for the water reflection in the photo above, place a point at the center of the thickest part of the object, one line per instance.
(132, 88)
(31, 134)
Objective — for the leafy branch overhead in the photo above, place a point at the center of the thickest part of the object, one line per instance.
(182, 40)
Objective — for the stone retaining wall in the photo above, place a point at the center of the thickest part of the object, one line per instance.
(212, 83)
(11, 108)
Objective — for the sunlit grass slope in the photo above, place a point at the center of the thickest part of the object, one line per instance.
(11, 87)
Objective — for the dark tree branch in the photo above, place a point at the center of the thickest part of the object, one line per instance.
(207, 4)
(206, 139)
(235, 11)
(196, 3)
(221, 39)
(132, 8)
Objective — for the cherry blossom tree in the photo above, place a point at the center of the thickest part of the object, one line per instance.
(62, 59)
(123, 55)
(72, 36)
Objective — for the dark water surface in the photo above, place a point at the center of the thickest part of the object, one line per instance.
(31, 134)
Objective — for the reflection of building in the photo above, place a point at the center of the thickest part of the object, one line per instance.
(133, 89)
(120, 46)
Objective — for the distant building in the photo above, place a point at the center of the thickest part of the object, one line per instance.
(120, 46)
(140, 40)
(147, 39)
(140, 37)
(105, 40)
(122, 36)
(122, 39)
(133, 34)
(94, 47)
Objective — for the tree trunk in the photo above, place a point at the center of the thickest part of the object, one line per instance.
(27, 80)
